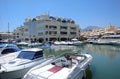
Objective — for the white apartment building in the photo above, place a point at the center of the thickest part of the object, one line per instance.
(18, 33)
(48, 28)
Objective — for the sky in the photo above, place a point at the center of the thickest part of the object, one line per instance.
(85, 13)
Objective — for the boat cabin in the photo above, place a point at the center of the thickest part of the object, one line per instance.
(31, 54)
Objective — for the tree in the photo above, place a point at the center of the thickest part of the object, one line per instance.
(81, 38)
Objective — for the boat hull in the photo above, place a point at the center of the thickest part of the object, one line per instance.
(18, 73)
(14, 74)
(80, 72)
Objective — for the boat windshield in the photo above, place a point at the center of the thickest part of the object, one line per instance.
(26, 55)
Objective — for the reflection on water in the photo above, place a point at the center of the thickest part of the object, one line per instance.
(88, 74)
(106, 50)
(61, 49)
(105, 64)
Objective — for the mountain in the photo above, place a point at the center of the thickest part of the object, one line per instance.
(89, 28)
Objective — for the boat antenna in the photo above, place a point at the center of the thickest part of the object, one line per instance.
(8, 31)
(110, 24)
(48, 13)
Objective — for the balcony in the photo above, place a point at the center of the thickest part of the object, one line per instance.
(63, 29)
(72, 35)
(63, 35)
(52, 29)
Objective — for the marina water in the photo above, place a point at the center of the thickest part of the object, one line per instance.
(105, 63)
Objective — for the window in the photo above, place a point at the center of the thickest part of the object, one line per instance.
(55, 32)
(26, 30)
(40, 34)
(63, 27)
(17, 36)
(38, 54)
(30, 55)
(72, 32)
(73, 28)
(63, 32)
(46, 32)
(26, 55)
(46, 26)
(17, 33)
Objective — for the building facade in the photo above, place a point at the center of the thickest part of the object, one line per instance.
(48, 28)
(18, 33)
(5, 36)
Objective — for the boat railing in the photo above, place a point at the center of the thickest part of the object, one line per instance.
(86, 62)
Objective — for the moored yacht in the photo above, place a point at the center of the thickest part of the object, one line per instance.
(8, 48)
(76, 42)
(25, 60)
(8, 52)
(22, 43)
(34, 44)
(113, 39)
(68, 66)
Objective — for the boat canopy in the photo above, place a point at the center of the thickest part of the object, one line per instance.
(30, 54)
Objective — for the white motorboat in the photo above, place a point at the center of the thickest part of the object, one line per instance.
(35, 44)
(8, 52)
(8, 48)
(62, 47)
(70, 43)
(57, 43)
(22, 44)
(63, 43)
(111, 39)
(26, 59)
(76, 42)
(68, 66)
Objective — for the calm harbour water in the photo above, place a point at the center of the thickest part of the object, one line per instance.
(105, 63)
